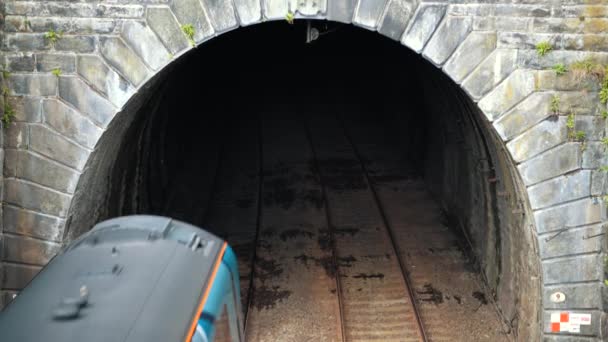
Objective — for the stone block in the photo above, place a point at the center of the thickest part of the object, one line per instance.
(561, 189)
(145, 43)
(459, 8)
(578, 213)
(593, 126)
(583, 296)
(221, 14)
(538, 139)
(519, 85)
(341, 10)
(22, 249)
(599, 183)
(35, 197)
(425, 21)
(30, 223)
(572, 242)
(162, 21)
(190, 12)
(396, 17)
(45, 24)
(75, 9)
(119, 11)
(119, 55)
(80, 44)
(33, 85)
(532, 10)
(22, 62)
(14, 23)
(248, 11)
(87, 101)
(473, 50)
(18, 276)
(275, 9)
(595, 155)
(558, 161)
(575, 269)
(47, 62)
(549, 81)
(524, 115)
(502, 24)
(579, 102)
(450, 34)
(41, 171)
(490, 72)
(530, 59)
(11, 157)
(23, 42)
(55, 146)
(16, 135)
(368, 12)
(524, 40)
(26, 108)
(310, 9)
(93, 25)
(105, 80)
(69, 123)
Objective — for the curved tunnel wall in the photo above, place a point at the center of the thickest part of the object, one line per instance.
(512, 85)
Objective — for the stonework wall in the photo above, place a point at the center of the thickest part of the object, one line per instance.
(75, 65)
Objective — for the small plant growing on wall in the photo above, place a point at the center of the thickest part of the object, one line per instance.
(188, 30)
(543, 48)
(570, 122)
(554, 107)
(580, 135)
(9, 113)
(604, 92)
(605, 259)
(53, 35)
(587, 69)
(289, 17)
(560, 69)
(56, 72)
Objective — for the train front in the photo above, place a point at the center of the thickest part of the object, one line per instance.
(134, 278)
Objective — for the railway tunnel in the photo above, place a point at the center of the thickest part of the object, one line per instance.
(363, 191)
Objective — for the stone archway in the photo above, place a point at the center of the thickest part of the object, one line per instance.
(65, 117)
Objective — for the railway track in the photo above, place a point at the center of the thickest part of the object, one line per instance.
(395, 246)
(337, 241)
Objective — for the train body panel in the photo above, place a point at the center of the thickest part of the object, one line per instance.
(137, 278)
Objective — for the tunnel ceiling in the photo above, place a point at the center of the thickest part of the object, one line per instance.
(73, 95)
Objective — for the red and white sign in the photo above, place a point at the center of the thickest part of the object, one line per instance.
(569, 322)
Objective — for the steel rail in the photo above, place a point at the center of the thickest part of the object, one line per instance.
(330, 226)
(389, 230)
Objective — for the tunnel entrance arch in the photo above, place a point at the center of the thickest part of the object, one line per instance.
(310, 117)
(135, 64)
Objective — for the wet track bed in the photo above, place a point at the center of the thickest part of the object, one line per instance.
(338, 238)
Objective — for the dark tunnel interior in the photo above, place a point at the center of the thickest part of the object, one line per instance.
(298, 153)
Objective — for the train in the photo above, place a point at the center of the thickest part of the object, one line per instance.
(133, 278)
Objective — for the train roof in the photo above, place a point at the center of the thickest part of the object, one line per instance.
(135, 278)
